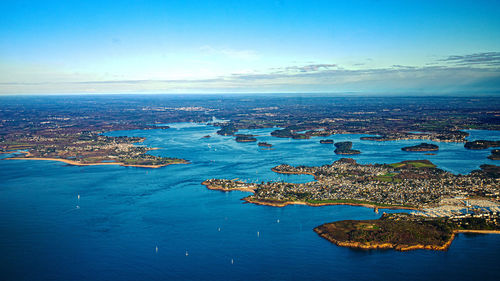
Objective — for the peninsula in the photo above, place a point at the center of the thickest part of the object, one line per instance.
(90, 148)
(417, 184)
(404, 232)
(438, 136)
(438, 198)
(481, 144)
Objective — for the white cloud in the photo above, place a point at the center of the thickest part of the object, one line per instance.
(325, 77)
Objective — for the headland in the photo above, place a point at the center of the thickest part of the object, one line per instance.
(436, 196)
(77, 163)
(404, 232)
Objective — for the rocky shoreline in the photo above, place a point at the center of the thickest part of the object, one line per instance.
(399, 247)
(406, 232)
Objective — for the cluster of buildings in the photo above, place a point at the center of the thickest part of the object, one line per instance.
(347, 180)
(227, 185)
(449, 136)
(91, 147)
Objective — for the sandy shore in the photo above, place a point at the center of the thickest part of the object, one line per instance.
(75, 163)
(478, 231)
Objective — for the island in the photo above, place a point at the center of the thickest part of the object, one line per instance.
(328, 141)
(404, 232)
(481, 144)
(495, 154)
(206, 137)
(264, 144)
(245, 138)
(345, 148)
(421, 147)
(227, 130)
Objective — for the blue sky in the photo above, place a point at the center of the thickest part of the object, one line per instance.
(249, 46)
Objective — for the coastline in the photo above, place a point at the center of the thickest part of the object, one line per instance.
(400, 247)
(281, 204)
(75, 163)
(405, 139)
(294, 173)
(286, 203)
(220, 188)
(419, 150)
(8, 152)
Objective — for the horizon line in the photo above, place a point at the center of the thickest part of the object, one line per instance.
(339, 94)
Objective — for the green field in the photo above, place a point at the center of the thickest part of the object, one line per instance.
(416, 164)
(389, 177)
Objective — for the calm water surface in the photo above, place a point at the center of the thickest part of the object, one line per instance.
(138, 224)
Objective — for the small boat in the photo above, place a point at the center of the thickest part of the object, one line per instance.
(187, 253)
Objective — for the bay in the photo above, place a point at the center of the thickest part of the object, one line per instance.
(138, 224)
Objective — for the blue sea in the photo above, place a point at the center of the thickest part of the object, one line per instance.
(62, 222)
